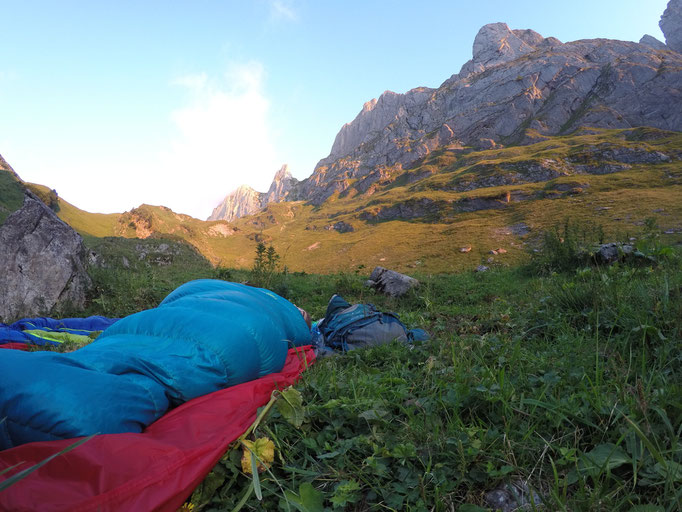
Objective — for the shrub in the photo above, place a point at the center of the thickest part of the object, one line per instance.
(566, 248)
(265, 270)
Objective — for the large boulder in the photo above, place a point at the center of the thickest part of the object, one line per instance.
(43, 263)
(391, 282)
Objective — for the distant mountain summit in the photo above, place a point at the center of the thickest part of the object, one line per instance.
(246, 201)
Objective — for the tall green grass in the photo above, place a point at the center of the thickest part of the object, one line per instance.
(569, 382)
(564, 377)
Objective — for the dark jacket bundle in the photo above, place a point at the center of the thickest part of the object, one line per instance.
(347, 326)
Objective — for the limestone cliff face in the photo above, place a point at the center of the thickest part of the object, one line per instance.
(671, 25)
(246, 201)
(518, 87)
(243, 201)
(281, 185)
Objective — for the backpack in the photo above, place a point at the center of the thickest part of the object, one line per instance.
(346, 327)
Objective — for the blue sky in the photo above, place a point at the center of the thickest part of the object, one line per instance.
(178, 102)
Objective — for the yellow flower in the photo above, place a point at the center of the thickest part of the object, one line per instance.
(263, 449)
(186, 507)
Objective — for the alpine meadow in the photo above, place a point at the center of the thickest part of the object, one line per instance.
(534, 198)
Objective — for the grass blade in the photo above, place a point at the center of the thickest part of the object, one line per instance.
(256, 478)
(23, 474)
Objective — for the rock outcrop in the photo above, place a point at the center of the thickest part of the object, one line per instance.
(280, 187)
(43, 263)
(241, 202)
(246, 201)
(652, 42)
(671, 25)
(390, 282)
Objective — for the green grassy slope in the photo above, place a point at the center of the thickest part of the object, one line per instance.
(130, 275)
(11, 191)
(419, 219)
(432, 224)
(86, 223)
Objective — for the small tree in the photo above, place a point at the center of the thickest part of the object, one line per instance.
(265, 265)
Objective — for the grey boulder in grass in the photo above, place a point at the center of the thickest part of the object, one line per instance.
(391, 282)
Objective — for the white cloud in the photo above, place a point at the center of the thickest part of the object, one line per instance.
(191, 81)
(282, 10)
(221, 137)
(223, 140)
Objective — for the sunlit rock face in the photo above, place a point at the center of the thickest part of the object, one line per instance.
(246, 201)
(518, 87)
(280, 186)
(671, 25)
(243, 201)
(652, 42)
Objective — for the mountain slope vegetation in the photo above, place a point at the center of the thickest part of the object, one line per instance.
(421, 219)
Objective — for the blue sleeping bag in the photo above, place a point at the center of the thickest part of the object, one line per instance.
(205, 336)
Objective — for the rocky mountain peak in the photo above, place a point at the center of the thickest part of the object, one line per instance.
(246, 201)
(652, 42)
(243, 201)
(369, 105)
(497, 44)
(281, 185)
(671, 25)
(374, 117)
(519, 87)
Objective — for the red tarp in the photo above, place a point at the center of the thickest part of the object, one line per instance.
(153, 471)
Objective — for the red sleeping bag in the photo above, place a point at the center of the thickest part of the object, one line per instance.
(156, 470)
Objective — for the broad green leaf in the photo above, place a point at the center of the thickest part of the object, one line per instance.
(672, 470)
(308, 500)
(290, 406)
(348, 491)
(210, 485)
(404, 451)
(468, 507)
(603, 457)
(373, 414)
